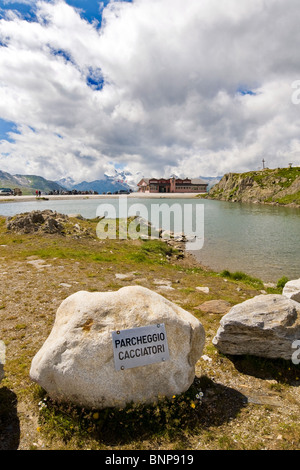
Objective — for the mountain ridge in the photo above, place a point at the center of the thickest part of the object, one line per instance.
(28, 184)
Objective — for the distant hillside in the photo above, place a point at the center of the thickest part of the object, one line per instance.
(28, 183)
(273, 186)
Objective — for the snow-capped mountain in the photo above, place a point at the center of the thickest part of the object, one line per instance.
(114, 180)
(67, 183)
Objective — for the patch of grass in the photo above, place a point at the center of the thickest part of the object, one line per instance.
(282, 282)
(245, 278)
(21, 326)
(167, 417)
(158, 247)
(289, 199)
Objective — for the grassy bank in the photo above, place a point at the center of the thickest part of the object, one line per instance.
(234, 403)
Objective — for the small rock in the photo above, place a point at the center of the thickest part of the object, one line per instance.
(215, 306)
(203, 289)
(163, 282)
(166, 287)
(206, 358)
(124, 276)
(39, 264)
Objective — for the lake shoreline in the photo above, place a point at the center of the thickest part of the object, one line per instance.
(256, 203)
(30, 198)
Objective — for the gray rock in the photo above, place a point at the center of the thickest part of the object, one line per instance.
(292, 290)
(76, 362)
(264, 326)
(205, 290)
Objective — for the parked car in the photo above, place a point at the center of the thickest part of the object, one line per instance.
(6, 192)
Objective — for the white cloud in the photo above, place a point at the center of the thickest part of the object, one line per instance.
(157, 88)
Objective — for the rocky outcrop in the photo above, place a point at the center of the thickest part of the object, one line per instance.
(77, 362)
(264, 326)
(37, 221)
(47, 221)
(278, 186)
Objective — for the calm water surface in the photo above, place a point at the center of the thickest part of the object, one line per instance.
(263, 241)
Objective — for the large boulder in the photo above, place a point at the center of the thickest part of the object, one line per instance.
(292, 290)
(76, 363)
(264, 326)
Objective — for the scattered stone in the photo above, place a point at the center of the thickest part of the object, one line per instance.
(39, 264)
(206, 358)
(205, 290)
(76, 362)
(292, 290)
(124, 276)
(62, 284)
(163, 282)
(166, 287)
(215, 306)
(264, 326)
(258, 397)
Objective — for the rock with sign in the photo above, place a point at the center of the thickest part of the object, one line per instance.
(114, 348)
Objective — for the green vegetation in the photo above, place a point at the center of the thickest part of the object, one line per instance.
(166, 418)
(240, 276)
(284, 177)
(289, 199)
(282, 282)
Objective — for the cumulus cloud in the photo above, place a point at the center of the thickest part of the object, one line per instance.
(199, 88)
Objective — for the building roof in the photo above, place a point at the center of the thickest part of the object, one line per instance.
(193, 180)
(198, 181)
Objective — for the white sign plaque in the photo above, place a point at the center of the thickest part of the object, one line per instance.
(140, 346)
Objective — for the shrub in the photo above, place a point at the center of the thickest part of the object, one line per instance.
(282, 282)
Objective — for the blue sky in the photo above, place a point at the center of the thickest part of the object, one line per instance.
(153, 87)
(5, 128)
(90, 9)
